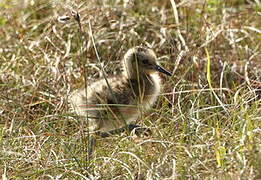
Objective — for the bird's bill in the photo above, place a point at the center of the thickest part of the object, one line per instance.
(162, 70)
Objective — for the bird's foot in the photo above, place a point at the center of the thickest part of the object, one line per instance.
(139, 130)
(131, 128)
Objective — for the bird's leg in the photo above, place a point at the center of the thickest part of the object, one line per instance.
(91, 146)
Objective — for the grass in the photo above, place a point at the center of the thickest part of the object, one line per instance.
(205, 124)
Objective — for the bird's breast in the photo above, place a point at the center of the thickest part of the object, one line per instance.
(148, 89)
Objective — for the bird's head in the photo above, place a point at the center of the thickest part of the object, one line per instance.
(140, 60)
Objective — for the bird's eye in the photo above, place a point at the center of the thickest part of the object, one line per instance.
(145, 61)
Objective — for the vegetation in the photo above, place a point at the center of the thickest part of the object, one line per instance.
(205, 125)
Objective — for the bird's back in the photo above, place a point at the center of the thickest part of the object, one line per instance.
(116, 104)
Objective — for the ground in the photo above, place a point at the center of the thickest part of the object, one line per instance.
(205, 124)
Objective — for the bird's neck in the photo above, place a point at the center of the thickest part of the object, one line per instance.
(134, 73)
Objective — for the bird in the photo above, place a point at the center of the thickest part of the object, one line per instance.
(117, 101)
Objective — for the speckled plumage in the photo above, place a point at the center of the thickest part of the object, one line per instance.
(134, 91)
